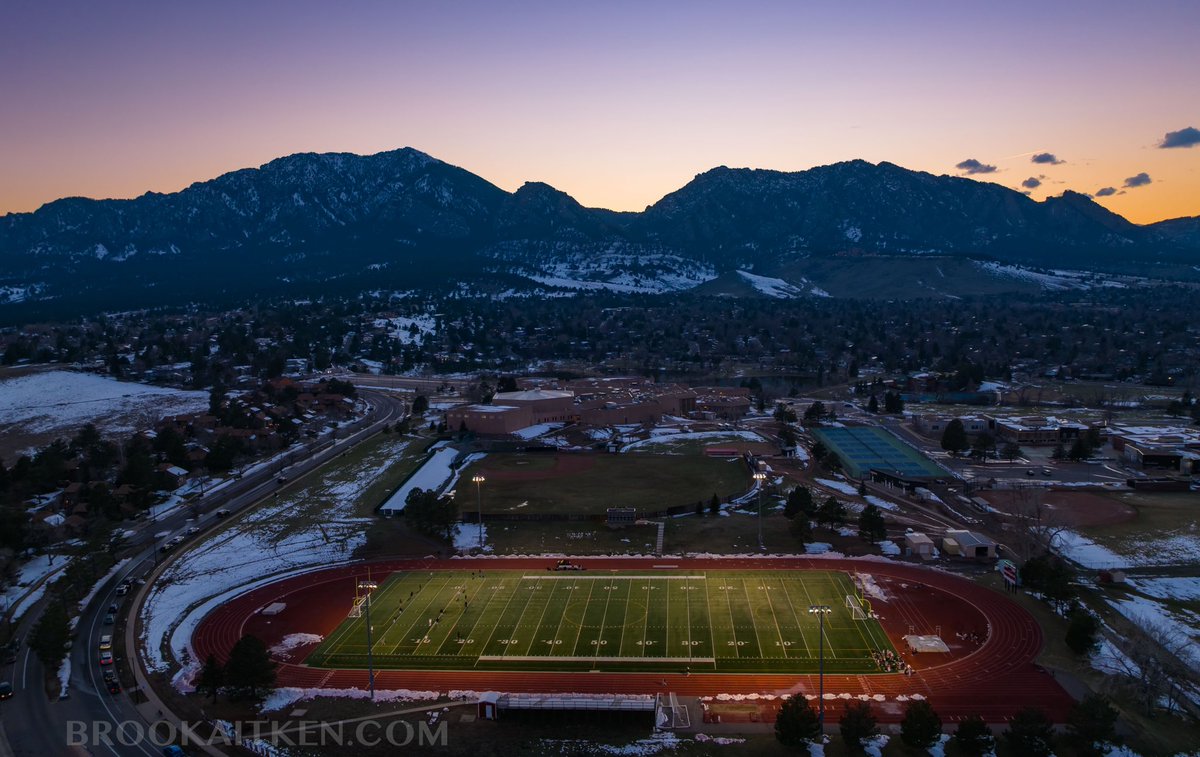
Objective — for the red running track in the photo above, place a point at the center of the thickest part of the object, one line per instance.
(993, 677)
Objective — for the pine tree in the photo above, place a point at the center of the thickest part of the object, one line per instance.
(714, 505)
(857, 725)
(797, 725)
(831, 512)
(921, 727)
(1030, 734)
(954, 438)
(873, 405)
(1010, 452)
(50, 637)
(799, 501)
(1092, 726)
(1082, 631)
(871, 525)
(974, 738)
(801, 530)
(250, 668)
(212, 677)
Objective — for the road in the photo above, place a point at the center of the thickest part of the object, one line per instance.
(37, 726)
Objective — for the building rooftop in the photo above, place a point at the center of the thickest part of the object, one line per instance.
(530, 395)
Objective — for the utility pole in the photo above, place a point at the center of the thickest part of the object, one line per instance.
(760, 479)
(821, 611)
(478, 480)
(369, 586)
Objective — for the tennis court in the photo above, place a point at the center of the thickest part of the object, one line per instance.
(863, 448)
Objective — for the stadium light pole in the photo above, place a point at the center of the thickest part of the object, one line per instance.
(478, 480)
(760, 478)
(821, 611)
(369, 586)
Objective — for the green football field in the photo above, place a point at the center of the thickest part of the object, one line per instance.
(705, 621)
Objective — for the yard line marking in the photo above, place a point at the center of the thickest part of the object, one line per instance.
(470, 598)
(796, 617)
(563, 615)
(753, 625)
(582, 617)
(775, 620)
(603, 621)
(428, 602)
(512, 593)
(539, 658)
(534, 630)
(737, 651)
(711, 639)
(832, 652)
(517, 623)
(578, 577)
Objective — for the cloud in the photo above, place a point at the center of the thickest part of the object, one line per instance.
(1189, 136)
(972, 166)
(1140, 180)
(1032, 183)
(1106, 192)
(1046, 157)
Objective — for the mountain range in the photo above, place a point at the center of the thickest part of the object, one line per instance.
(403, 220)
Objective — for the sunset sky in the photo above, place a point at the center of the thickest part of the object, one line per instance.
(616, 103)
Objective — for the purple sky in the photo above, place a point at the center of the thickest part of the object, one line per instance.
(616, 103)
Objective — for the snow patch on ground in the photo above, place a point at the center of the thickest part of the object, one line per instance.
(466, 537)
(259, 548)
(840, 486)
(818, 548)
(881, 503)
(777, 288)
(65, 401)
(293, 640)
(96, 586)
(532, 432)
(1086, 552)
(432, 476)
(749, 436)
(874, 746)
(64, 677)
(289, 695)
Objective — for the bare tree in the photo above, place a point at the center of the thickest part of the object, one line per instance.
(1152, 668)
(1035, 526)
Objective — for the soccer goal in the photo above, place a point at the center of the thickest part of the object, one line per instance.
(855, 607)
(356, 608)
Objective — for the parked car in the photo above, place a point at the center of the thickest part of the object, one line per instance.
(109, 676)
(114, 687)
(1047, 472)
(109, 619)
(106, 658)
(192, 530)
(105, 642)
(222, 513)
(113, 608)
(1030, 472)
(122, 590)
(6, 690)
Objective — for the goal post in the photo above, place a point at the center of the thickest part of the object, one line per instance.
(356, 608)
(855, 608)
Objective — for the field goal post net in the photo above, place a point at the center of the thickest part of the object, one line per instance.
(859, 609)
(356, 608)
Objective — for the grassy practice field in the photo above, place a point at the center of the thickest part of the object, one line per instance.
(705, 621)
(590, 483)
